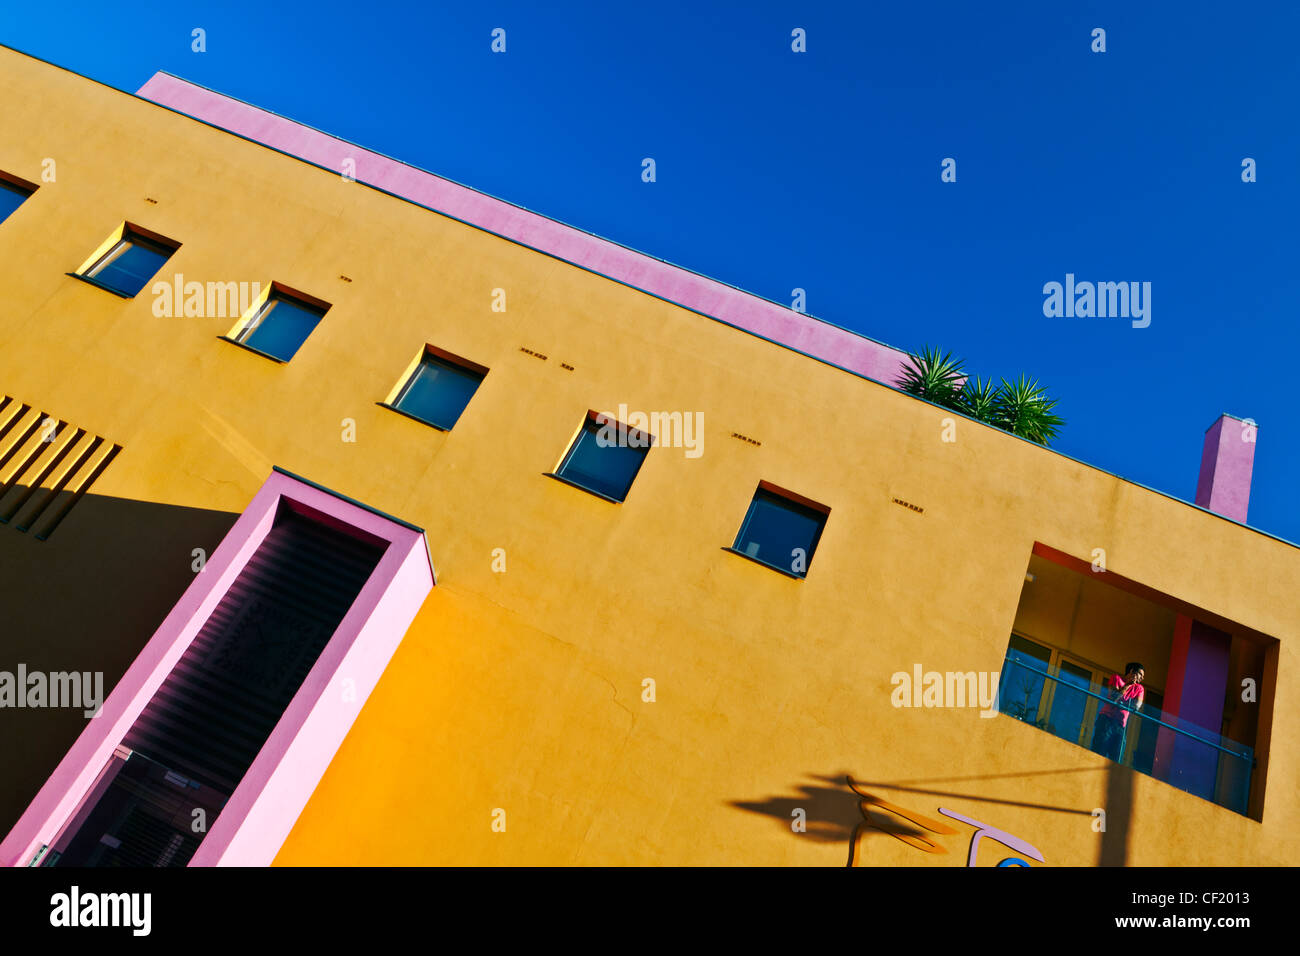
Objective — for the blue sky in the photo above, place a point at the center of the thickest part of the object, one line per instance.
(821, 170)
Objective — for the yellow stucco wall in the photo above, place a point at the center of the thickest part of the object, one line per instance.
(522, 690)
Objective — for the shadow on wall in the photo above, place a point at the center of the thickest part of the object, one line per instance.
(86, 600)
(1119, 814)
(839, 808)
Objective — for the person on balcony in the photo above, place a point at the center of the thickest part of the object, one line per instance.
(1112, 719)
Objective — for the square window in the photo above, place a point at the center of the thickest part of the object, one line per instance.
(605, 457)
(130, 263)
(439, 388)
(12, 194)
(280, 325)
(781, 530)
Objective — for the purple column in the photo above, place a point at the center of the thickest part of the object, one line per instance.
(1196, 692)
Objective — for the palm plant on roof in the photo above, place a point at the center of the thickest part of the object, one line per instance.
(979, 399)
(1023, 408)
(933, 376)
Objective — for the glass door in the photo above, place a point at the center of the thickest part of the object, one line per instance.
(1070, 706)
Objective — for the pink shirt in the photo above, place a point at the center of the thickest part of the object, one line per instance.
(1133, 694)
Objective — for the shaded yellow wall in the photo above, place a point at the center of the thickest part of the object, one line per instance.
(522, 690)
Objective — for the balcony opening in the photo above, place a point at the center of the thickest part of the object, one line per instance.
(1206, 710)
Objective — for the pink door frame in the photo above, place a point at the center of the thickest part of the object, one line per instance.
(255, 821)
